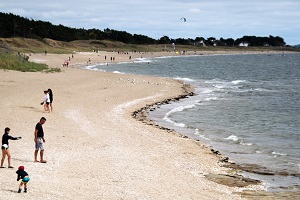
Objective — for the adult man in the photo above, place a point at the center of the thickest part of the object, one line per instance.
(39, 140)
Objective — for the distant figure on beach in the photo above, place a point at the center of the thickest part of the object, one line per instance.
(46, 101)
(5, 147)
(45, 52)
(65, 64)
(51, 100)
(129, 57)
(105, 57)
(39, 140)
(23, 175)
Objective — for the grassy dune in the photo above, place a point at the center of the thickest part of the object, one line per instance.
(12, 61)
(29, 45)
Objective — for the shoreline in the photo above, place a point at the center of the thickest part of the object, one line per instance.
(92, 139)
(86, 59)
(116, 107)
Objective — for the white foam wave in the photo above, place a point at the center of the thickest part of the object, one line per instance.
(232, 137)
(142, 60)
(117, 72)
(262, 90)
(175, 110)
(93, 67)
(246, 144)
(182, 125)
(278, 154)
(225, 86)
(236, 82)
(179, 109)
(197, 132)
(211, 99)
(184, 79)
(207, 91)
(102, 64)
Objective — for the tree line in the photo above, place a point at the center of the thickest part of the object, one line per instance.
(12, 25)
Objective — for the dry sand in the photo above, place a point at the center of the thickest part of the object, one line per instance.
(94, 148)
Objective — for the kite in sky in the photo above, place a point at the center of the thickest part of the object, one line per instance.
(184, 19)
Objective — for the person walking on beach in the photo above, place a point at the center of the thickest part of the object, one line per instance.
(50, 99)
(46, 101)
(5, 147)
(23, 175)
(39, 140)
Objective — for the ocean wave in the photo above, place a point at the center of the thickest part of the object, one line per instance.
(93, 67)
(102, 64)
(117, 72)
(262, 90)
(181, 108)
(175, 110)
(232, 137)
(142, 60)
(197, 133)
(236, 82)
(278, 154)
(226, 86)
(207, 91)
(246, 144)
(211, 99)
(184, 79)
(182, 125)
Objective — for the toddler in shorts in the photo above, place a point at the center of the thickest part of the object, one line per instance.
(24, 179)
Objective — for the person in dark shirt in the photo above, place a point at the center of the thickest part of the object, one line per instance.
(51, 99)
(25, 178)
(5, 147)
(39, 140)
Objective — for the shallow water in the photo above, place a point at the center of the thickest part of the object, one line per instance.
(247, 107)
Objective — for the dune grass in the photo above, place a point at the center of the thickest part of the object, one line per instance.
(10, 61)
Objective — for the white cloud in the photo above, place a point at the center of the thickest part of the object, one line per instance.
(155, 18)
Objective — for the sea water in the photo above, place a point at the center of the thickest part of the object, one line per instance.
(247, 107)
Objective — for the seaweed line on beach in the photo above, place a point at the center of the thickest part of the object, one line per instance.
(232, 180)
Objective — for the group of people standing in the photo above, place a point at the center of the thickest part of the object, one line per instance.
(39, 147)
(38, 139)
(48, 99)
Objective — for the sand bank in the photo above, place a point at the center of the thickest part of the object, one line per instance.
(94, 148)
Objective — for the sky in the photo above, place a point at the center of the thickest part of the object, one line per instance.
(158, 18)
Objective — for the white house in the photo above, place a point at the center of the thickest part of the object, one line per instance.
(200, 43)
(244, 44)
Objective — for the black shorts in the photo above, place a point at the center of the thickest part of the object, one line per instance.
(47, 103)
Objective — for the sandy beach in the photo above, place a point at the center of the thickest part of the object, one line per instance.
(95, 149)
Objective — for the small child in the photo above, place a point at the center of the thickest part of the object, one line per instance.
(25, 178)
